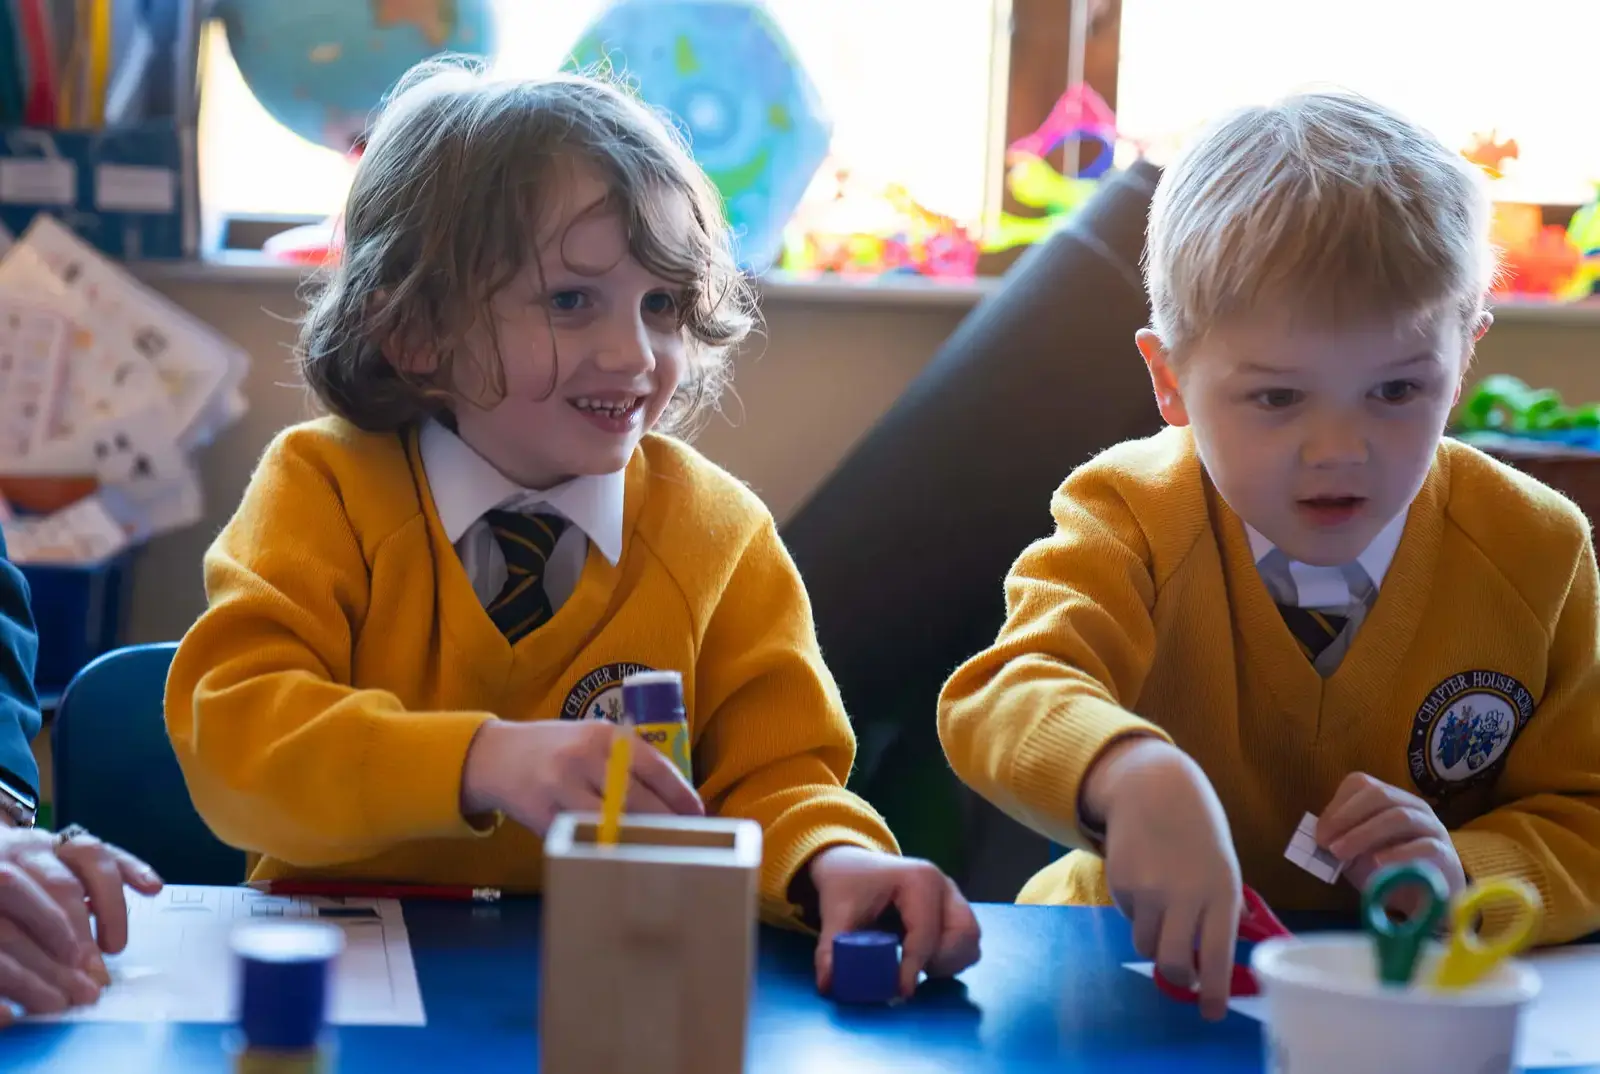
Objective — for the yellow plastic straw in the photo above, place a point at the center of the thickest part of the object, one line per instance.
(616, 791)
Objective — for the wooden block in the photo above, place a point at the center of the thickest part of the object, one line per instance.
(649, 946)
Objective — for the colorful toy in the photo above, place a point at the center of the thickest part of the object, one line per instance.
(857, 229)
(1081, 115)
(1504, 404)
(1537, 258)
(1488, 152)
(1583, 233)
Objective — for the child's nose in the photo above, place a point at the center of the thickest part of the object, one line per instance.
(626, 349)
(1334, 444)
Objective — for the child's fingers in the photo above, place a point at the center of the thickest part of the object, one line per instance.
(960, 945)
(1146, 922)
(1219, 931)
(1387, 828)
(1360, 797)
(661, 777)
(1180, 924)
(921, 905)
(1426, 848)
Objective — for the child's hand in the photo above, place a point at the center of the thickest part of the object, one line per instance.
(532, 771)
(855, 887)
(1369, 825)
(1170, 863)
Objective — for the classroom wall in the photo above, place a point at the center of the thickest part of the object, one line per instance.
(831, 364)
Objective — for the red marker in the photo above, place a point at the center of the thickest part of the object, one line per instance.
(361, 889)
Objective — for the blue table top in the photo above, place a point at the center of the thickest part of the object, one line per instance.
(1049, 995)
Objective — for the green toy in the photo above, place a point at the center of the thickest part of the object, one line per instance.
(1504, 404)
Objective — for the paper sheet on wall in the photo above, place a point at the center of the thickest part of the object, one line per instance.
(178, 966)
(1559, 1030)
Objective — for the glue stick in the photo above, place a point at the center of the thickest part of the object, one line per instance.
(283, 990)
(653, 703)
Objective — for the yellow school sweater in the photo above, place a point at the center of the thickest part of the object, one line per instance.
(322, 706)
(1474, 681)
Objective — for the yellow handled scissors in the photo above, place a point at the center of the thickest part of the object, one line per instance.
(1467, 957)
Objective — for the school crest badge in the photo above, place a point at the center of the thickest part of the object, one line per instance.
(1463, 730)
(598, 695)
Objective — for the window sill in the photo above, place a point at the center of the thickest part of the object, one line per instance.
(253, 268)
(887, 291)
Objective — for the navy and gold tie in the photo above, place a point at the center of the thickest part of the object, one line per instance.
(1324, 636)
(1314, 630)
(526, 541)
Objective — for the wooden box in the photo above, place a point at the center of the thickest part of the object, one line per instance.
(649, 946)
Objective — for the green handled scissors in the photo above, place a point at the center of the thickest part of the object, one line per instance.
(1467, 957)
(1399, 942)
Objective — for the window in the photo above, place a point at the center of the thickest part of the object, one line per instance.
(1468, 67)
(910, 97)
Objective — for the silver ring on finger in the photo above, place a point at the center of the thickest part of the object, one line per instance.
(71, 832)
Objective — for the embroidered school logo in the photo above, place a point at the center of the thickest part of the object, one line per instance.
(598, 695)
(1460, 735)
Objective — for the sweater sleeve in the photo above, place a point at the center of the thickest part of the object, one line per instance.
(773, 742)
(1545, 828)
(1023, 721)
(19, 704)
(282, 755)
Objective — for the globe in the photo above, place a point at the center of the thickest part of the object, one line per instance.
(321, 67)
(725, 72)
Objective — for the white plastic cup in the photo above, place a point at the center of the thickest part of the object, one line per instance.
(1327, 1012)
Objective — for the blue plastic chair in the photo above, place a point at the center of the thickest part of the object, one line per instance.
(115, 772)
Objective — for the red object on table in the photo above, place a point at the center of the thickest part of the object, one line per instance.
(1256, 922)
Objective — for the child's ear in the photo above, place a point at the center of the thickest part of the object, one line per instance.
(1482, 325)
(1162, 379)
(406, 355)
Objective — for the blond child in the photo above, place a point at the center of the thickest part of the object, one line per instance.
(1300, 597)
(422, 611)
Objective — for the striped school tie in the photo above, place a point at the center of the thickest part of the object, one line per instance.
(1314, 630)
(526, 541)
(1324, 635)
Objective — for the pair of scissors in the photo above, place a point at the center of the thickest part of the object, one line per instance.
(1467, 957)
(1256, 923)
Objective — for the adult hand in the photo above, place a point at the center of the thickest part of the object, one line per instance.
(61, 908)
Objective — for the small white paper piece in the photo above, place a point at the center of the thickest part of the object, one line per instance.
(1304, 852)
(178, 966)
(1558, 1030)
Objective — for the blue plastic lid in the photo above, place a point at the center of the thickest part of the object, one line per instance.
(653, 697)
(866, 967)
(284, 968)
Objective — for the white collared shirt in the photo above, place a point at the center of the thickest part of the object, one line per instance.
(1327, 587)
(466, 486)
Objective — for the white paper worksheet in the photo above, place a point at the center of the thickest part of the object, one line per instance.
(178, 966)
(1559, 1030)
